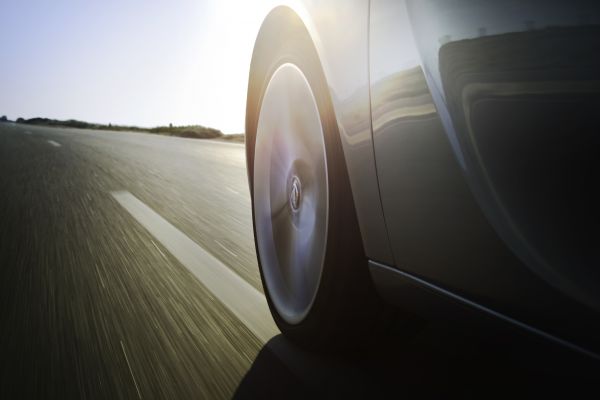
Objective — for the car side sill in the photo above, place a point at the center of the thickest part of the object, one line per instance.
(428, 300)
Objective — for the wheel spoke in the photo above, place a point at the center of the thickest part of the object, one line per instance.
(290, 193)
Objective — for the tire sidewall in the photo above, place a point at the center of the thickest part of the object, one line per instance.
(328, 312)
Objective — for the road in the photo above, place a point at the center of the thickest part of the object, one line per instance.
(127, 270)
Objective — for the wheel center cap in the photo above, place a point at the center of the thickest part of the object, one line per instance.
(295, 193)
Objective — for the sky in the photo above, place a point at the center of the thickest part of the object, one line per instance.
(129, 62)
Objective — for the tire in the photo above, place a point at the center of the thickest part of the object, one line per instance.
(310, 253)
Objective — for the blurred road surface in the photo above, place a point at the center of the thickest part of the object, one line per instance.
(127, 270)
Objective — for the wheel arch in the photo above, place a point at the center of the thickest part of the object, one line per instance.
(344, 63)
(284, 22)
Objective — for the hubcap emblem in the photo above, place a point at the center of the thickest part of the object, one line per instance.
(295, 194)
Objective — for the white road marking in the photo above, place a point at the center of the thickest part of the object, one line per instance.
(247, 303)
(53, 143)
(231, 190)
(130, 370)
(235, 219)
(225, 248)
(27, 132)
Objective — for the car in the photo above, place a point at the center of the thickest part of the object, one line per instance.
(437, 155)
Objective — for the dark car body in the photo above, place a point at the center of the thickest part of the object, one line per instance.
(470, 135)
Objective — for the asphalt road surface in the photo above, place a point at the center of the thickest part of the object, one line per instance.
(127, 270)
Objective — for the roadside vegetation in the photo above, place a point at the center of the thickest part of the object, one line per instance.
(189, 131)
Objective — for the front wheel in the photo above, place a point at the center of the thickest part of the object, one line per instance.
(308, 243)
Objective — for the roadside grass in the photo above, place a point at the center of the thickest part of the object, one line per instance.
(188, 131)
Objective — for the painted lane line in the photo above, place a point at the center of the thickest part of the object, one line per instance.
(225, 248)
(231, 190)
(130, 370)
(241, 298)
(53, 143)
(27, 132)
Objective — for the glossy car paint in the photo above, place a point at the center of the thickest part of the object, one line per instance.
(432, 175)
(340, 36)
(471, 207)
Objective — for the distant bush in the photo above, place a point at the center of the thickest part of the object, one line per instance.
(190, 131)
(3, 118)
